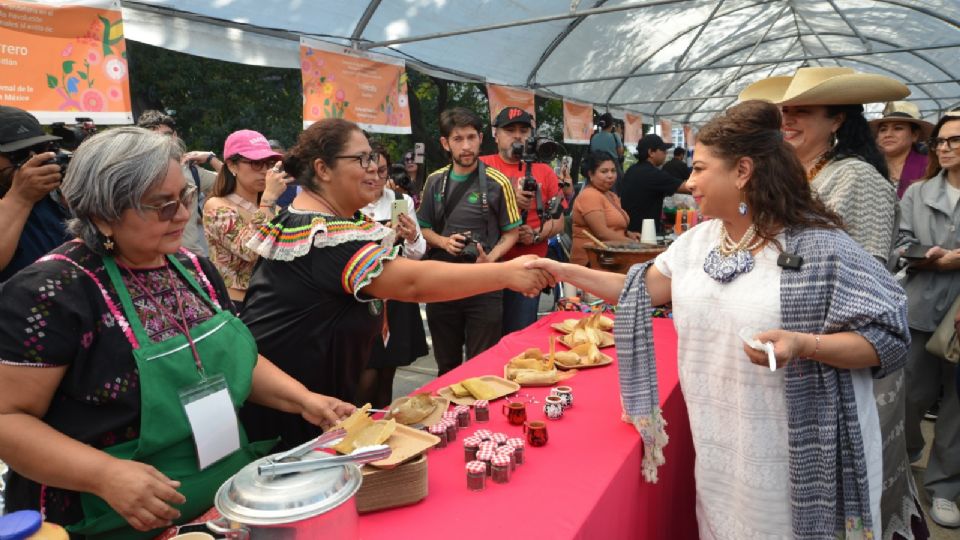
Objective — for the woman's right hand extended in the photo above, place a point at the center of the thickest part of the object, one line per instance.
(141, 494)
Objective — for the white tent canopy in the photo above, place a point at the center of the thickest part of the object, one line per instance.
(679, 59)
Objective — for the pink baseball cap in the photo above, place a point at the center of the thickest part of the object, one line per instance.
(249, 144)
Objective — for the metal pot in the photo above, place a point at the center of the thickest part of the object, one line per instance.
(305, 505)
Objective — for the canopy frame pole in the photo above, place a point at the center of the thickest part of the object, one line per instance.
(363, 22)
(676, 37)
(713, 12)
(734, 65)
(761, 40)
(850, 25)
(558, 39)
(521, 22)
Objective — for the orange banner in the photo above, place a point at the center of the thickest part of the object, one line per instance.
(63, 62)
(368, 89)
(577, 122)
(501, 97)
(632, 128)
(666, 131)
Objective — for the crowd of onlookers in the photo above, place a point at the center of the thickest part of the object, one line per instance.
(308, 264)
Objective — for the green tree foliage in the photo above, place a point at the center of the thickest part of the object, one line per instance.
(210, 99)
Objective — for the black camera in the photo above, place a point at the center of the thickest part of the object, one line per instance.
(535, 148)
(400, 178)
(62, 159)
(72, 136)
(469, 253)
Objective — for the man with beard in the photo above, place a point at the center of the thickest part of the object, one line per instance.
(513, 126)
(468, 214)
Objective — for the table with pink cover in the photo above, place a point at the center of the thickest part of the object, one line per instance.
(585, 483)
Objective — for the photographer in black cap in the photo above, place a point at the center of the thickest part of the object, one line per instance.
(645, 185)
(31, 168)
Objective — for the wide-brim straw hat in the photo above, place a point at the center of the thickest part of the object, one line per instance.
(826, 86)
(903, 111)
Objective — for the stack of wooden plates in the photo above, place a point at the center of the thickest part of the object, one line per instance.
(389, 488)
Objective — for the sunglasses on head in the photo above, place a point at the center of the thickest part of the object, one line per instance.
(167, 210)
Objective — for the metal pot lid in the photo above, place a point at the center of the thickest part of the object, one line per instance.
(250, 498)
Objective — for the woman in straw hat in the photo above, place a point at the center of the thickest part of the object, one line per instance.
(930, 218)
(823, 122)
(793, 453)
(898, 135)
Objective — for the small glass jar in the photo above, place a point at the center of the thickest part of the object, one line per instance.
(481, 410)
(486, 456)
(499, 438)
(488, 445)
(500, 469)
(518, 445)
(476, 476)
(463, 416)
(470, 447)
(484, 434)
(451, 427)
(508, 451)
(440, 431)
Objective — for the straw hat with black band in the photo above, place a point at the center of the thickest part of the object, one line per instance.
(826, 86)
(903, 111)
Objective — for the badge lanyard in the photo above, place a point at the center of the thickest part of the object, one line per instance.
(180, 324)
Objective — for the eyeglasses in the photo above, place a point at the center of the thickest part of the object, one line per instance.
(953, 143)
(167, 210)
(260, 164)
(366, 160)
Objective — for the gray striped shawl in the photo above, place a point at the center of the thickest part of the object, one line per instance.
(839, 288)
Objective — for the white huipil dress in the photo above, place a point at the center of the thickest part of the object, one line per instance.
(737, 409)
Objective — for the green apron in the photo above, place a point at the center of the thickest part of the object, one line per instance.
(225, 346)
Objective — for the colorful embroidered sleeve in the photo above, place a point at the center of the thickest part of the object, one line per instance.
(365, 265)
(42, 317)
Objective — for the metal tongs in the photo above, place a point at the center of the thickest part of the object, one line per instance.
(359, 456)
(328, 439)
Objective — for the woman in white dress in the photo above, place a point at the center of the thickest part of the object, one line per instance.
(792, 453)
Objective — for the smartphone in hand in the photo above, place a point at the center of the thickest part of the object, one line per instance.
(399, 206)
(916, 252)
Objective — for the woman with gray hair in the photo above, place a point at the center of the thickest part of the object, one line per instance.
(116, 346)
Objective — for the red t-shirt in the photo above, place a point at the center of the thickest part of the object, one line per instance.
(549, 187)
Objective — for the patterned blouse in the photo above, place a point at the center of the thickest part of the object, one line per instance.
(227, 234)
(57, 313)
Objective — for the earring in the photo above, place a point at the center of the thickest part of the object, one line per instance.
(108, 243)
(833, 140)
(742, 207)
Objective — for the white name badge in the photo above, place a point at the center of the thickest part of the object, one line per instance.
(213, 419)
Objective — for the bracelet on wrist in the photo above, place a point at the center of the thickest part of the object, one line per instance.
(816, 347)
(210, 157)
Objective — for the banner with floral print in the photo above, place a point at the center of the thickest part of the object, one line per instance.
(63, 60)
(501, 97)
(577, 122)
(632, 128)
(365, 88)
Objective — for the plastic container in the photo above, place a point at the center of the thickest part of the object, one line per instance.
(463, 416)
(486, 456)
(451, 426)
(440, 430)
(509, 451)
(518, 445)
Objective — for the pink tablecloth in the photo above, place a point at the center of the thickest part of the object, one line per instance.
(585, 483)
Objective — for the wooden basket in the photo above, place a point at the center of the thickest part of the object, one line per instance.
(390, 488)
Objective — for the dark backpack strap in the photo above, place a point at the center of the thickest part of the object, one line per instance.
(450, 203)
(196, 181)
